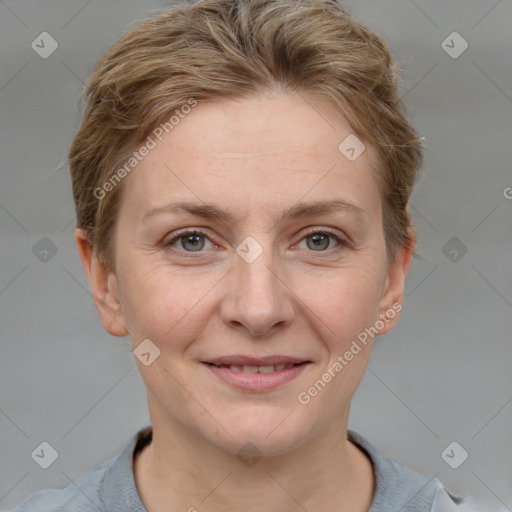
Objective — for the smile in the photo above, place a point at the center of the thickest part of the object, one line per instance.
(257, 378)
(256, 369)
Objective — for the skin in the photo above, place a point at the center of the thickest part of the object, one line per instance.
(256, 158)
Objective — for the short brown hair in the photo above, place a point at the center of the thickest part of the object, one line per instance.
(214, 49)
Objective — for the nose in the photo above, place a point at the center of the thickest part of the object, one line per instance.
(258, 297)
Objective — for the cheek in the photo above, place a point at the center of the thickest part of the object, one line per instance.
(165, 305)
(344, 300)
(344, 304)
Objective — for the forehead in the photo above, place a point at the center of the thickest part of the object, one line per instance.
(255, 153)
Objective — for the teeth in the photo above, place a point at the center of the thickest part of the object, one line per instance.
(260, 369)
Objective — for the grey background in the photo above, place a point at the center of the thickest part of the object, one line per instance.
(442, 375)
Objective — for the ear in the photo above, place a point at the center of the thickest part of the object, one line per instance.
(390, 304)
(104, 287)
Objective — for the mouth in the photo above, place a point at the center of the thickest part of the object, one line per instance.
(258, 368)
(256, 375)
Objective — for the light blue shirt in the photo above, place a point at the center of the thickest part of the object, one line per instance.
(110, 486)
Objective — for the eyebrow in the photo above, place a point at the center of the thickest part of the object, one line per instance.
(299, 210)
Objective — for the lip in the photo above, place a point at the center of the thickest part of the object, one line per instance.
(257, 381)
(241, 360)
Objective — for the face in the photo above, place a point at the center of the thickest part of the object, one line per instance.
(276, 252)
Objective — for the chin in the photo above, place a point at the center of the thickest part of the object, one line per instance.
(266, 434)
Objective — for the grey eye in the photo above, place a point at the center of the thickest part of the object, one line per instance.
(194, 242)
(318, 241)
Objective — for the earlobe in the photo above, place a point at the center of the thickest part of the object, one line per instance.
(104, 287)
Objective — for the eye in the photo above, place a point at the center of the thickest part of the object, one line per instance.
(190, 240)
(319, 240)
(194, 240)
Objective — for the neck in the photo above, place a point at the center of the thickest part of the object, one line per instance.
(180, 470)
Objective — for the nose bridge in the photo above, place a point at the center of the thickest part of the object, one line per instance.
(254, 271)
(256, 274)
(257, 298)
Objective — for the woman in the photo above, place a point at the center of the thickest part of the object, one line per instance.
(241, 179)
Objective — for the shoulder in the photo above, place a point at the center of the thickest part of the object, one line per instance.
(107, 487)
(81, 495)
(398, 487)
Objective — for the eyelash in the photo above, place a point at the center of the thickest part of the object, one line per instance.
(314, 231)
